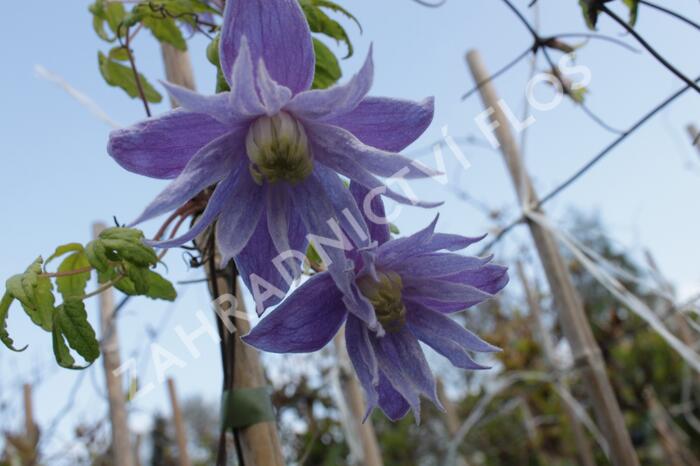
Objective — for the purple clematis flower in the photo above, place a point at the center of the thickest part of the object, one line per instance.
(273, 147)
(411, 288)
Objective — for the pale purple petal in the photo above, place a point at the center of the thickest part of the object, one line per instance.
(273, 96)
(491, 278)
(337, 143)
(216, 203)
(400, 249)
(363, 358)
(244, 97)
(450, 242)
(439, 264)
(217, 106)
(210, 165)
(257, 258)
(447, 337)
(239, 217)
(443, 291)
(356, 172)
(304, 322)
(320, 104)
(388, 124)
(161, 147)
(277, 32)
(372, 208)
(392, 404)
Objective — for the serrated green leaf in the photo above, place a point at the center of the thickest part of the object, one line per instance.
(137, 275)
(60, 349)
(118, 75)
(74, 325)
(35, 293)
(110, 13)
(64, 249)
(327, 67)
(5, 304)
(134, 252)
(127, 234)
(96, 253)
(118, 54)
(73, 285)
(321, 23)
(159, 287)
(166, 30)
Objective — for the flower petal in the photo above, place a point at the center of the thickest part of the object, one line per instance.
(338, 143)
(211, 164)
(320, 104)
(273, 95)
(418, 289)
(400, 249)
(363, 177)
(217, 106)
(372, 208)
(390, 400)
(239, 217)
(216, 204)
(258, 255)
(447, 337)
(277, 32)
(388, 124)
(363, 358)
(244, 97)
(161, 147)
(439, 265)
(305, 322)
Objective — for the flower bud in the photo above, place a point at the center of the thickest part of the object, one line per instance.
(385, 296)
(278, 149)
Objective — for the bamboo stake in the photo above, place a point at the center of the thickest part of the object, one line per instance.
(260, 444)
(31, 430)
(180, 430)
(583, 446)
(111, 361)
(676, 451)
(451, 418)
(353, 397)
(577, 329)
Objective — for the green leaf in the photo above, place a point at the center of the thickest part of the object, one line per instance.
(35, 293)
(327, 67)
(74, 325)
(321, 23)
(166, 30)
(159, 287)
(394, 229)
(60, 349)
(5, 304)
(590, 11)
(633, 6)
(96, 253)
(118, 54)
(127, 244)
(64, 249)
(118, 75)
(110, 13)
(73, 285)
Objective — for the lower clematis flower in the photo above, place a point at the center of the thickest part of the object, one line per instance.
(411, 284)
(273, 147)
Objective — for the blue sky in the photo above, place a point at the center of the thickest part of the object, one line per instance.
(58, 178)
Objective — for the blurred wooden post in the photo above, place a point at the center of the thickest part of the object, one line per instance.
(676, 452)
(180, 431)
(694, 136)
(577, 329)
(111, 361)
(259, 443)
(352, 392)
(30, 428)
(583, 446)
(451, 418)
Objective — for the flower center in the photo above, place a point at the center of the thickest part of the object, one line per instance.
(385, 296)
(278, 149)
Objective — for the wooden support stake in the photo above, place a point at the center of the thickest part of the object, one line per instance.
(180, 430)
(451, 418)
(122, 453)
(260, 444)
(577, 329)
(352, 392)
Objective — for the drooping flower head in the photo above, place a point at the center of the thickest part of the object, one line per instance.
(410, 285)
(273, 147)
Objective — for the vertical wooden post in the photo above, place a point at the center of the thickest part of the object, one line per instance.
(30, 428)
(259, 443)
(111, 361)
(577, 329)
(583, 446)
(451, 417)
(352, 392)
(180, 430)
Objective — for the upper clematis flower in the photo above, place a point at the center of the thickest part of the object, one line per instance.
(273, 147)
(411, 288)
